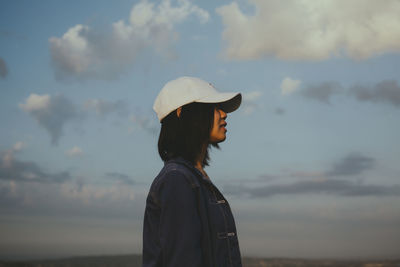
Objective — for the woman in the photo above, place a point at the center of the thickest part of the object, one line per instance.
(187, 220)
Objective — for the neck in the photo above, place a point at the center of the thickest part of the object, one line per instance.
(200, 158)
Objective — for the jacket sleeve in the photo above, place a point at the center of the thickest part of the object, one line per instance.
(180, 226)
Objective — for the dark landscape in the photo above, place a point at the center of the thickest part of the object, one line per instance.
(136, 260)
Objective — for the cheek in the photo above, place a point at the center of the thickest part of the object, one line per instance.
(217, 117)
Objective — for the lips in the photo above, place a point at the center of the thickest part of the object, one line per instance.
(223, 126)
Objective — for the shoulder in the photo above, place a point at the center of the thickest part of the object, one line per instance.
(174, 185)
(174, 173)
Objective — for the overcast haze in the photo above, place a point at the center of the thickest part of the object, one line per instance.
(311, 161)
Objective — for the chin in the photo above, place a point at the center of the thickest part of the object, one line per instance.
(219, 140)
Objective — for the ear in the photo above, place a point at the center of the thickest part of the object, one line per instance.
(178, 112)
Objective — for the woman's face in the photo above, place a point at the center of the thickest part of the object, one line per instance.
(218, 131)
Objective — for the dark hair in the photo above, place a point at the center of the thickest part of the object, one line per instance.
(186, 135)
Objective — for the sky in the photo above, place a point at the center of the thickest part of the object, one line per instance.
(310, 165)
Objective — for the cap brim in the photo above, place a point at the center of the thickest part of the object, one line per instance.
(229, 102)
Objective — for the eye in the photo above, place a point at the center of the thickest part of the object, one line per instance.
(220, 107)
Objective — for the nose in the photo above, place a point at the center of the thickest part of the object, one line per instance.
(222, 114)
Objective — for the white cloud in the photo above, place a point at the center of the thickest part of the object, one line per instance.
(104, 107)
(311, 30)
(71, 52)
(74, 152)
(289, 85)
(50, 112)
(250, 101)
(35, 102)
(251, 96)
(83, 52)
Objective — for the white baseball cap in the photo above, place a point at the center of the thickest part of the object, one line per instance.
(185, 90)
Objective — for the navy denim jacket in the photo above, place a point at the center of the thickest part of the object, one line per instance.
(187, 221)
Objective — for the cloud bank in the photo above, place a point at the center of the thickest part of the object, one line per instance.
(352, 164)
(120, 178)
(325, 182)
(311, 30)
(83, 52)
(384, 92)
(12, 169)
(324, 186)
(26, 184)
